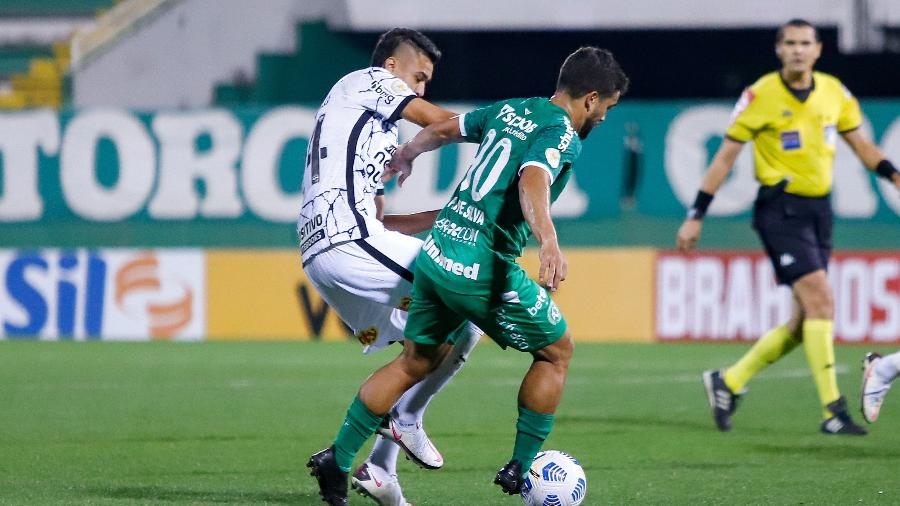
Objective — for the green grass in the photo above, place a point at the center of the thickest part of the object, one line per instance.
(162, 423)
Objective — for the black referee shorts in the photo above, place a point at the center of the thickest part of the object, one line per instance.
(795, 231)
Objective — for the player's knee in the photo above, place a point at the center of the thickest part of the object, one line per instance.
(568, 348)
(419, 360)
(818, 304)
(559, 353)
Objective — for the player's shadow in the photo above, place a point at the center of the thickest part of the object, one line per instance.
(177, 495)
(827, 451)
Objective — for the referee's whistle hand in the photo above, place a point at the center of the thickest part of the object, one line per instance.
(688, 235)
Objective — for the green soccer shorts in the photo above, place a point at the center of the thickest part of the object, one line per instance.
(520, 315)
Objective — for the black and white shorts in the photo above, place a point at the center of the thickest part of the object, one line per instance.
(368, 282)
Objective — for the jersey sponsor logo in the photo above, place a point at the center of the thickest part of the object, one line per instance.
(512, 333)
(466, 210)
(466, 235)
(384, 92)
(518, 134)
(742, 104)
(566, 138)
(508, 115)
(316, 237)
(552, 155)
(542, 299)
(448, 264)
(311, 232)
(790, 140)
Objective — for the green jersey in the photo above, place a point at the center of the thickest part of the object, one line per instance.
(480, 233)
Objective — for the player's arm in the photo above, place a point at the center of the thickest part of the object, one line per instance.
(429, 139)
(424, 113)
(410, 224)
(719, 168)
(534, 196)
(872, 157)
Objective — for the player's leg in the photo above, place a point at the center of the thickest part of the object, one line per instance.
(814, 292)
(431, 322)
(411, 407)
(378, 394)
(725, 387)
(375, 398)
(879, 372)
(767, 350)
(523, 316)
(539, 396)
(405, 423)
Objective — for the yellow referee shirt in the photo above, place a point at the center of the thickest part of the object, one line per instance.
(794, 139)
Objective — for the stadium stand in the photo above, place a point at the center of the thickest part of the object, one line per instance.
(299, 76)
(34, 50)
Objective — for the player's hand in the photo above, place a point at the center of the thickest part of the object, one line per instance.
(553, 266)
(688, 235)
(400, 163)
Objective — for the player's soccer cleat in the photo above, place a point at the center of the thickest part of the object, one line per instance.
(413, 441)
(510, 478)
(332, 480)
(873, 388)
(841, 423)
(722, 401)
(375, 483)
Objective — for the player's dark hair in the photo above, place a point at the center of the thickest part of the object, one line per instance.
(389, 40)
(796, 23)
(591, 69)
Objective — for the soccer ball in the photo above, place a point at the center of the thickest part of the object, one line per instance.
(555, 479)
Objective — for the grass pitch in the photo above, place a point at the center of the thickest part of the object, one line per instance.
(219, 423)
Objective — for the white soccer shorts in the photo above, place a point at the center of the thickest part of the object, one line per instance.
(367, 282)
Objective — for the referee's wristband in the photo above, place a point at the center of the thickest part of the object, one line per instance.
(701, 204)
(886, 169)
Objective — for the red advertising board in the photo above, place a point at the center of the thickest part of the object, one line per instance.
(732, 295)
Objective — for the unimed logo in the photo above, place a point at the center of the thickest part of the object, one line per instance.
(733, 296)
(102, 294)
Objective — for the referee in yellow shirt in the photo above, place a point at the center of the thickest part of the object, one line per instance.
(793, 117)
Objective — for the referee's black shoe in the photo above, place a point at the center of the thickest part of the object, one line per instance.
(840, 422)
(332, 480)
(722, 401)
(510, 477)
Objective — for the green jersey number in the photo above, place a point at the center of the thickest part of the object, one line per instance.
(483, 157)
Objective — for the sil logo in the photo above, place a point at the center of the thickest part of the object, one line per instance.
(138, 289)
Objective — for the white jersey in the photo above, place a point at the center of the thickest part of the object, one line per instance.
(355, 135)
